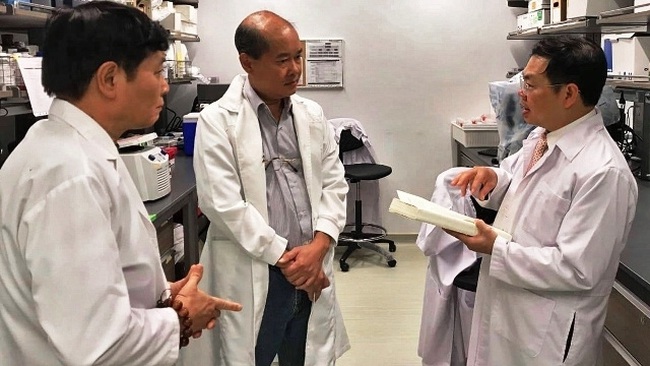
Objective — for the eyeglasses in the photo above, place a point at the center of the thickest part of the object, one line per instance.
(292, 163)
(526, 88)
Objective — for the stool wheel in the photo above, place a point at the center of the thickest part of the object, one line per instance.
(392, 263)
(345, 267)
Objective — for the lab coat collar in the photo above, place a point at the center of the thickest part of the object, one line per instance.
(87, 127)
(572, 141)
(569, 139)
(235, 96)
(554, 136)
(257, 102)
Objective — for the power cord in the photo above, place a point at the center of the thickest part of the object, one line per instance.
(624, 135)
(176, 122)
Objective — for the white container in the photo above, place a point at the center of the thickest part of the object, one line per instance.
(558, 11)
(189, 28)
(629, 54)
(534, 5)
(641, 2)
(7, 70)
(188, 13)
(475, 137)
(173, 22)
(581, 8)
(539, 18)
(523, 21)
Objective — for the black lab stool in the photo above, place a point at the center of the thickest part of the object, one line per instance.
(357, 238)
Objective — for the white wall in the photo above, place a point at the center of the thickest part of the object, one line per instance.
(410, 67)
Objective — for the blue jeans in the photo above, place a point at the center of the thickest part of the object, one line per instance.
(283, 331)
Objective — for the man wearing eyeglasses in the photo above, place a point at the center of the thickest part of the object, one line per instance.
(568, 198)
(270, 181)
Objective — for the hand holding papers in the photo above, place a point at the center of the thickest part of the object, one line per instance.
(420, 209)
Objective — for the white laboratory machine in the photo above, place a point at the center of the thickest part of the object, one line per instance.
(150, 170)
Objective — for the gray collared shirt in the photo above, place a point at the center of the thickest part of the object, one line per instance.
(286, 191)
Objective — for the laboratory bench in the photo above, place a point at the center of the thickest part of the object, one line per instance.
(181, 203)
(627, 326)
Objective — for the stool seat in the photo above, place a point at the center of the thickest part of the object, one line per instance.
(359, 172)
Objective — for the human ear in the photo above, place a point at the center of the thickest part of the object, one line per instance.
(106, 79)
(246, 62)
(571, 95)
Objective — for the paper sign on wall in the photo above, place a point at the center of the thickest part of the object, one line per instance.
(322, 63)
(30, 69)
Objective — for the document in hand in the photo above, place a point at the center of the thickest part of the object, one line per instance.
(420, 209)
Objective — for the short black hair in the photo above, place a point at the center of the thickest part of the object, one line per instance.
(575, 60)
(79, 40)
(251, 41)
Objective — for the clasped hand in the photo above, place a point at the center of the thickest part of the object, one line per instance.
(303, 267)
(203, 309)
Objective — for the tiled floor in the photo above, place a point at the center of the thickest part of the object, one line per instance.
(382, 306)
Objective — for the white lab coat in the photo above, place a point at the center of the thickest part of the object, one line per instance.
(446, 309)
(80, 269)
(369, 188)
(569, 217)
(231, 186)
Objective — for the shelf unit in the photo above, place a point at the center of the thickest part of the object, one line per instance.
(6, 94)
(623, 20)
(183, 37)
(14, 107)
(582, 25)
(18, 17)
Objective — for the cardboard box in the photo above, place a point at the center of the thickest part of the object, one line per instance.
(629, 54)
(165, 235)
(190, 28)
(173, 22)
(581, 8)
(188, 13)
(539, 18)
(523, 21)
(168, 265)
(534, 5)
(558, 11)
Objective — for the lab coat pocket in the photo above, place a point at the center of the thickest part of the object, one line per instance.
(523, 318)
(544, 214)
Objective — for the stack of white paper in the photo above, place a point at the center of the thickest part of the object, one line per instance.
(420, 209)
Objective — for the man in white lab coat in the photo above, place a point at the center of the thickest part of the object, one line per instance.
(542, 297)
(80, 273)
(270, 181)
